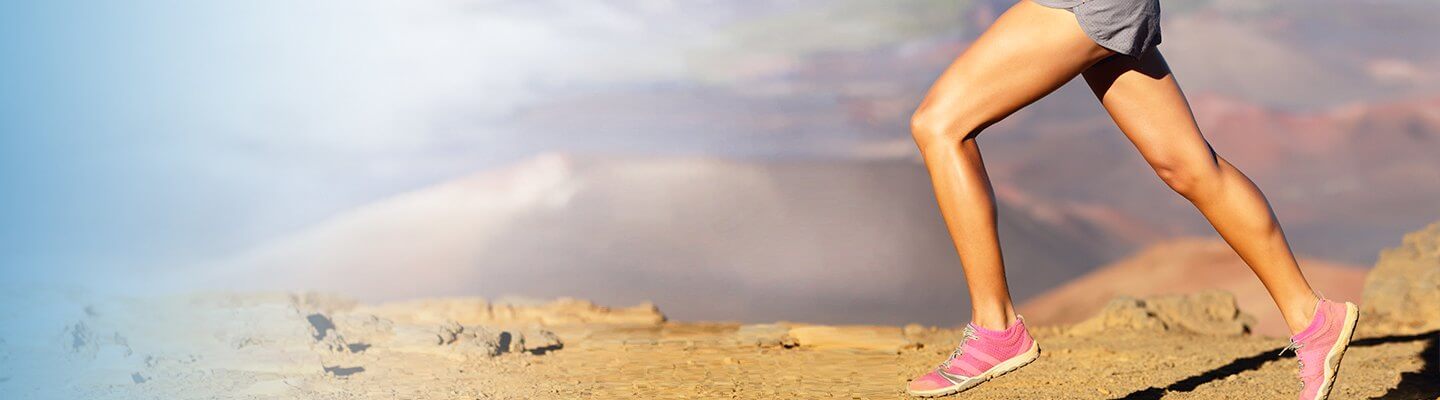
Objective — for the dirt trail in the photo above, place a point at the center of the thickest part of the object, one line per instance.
(291, 346)
(307, 346)
(704, 365)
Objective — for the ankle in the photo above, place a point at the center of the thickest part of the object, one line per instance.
(1299, 314)
(997, 320)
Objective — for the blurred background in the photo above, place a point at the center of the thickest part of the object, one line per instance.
(727, 160)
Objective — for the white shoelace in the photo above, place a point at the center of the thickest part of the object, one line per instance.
(1295, 347)
(969, 334)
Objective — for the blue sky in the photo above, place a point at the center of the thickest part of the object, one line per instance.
(143, 136)
(140, 135)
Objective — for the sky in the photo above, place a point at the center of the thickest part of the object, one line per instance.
(137, 135)
(149, 135)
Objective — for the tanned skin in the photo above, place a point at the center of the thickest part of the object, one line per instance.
(1030, 51)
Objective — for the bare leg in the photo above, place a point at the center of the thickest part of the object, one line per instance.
(1027, 53)
(1146, 103)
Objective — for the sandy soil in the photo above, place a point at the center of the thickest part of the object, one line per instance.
(288, 346)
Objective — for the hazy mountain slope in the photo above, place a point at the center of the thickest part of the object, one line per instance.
(712, 239)
(1342, 180)
(1186, 266)
(1329, 107)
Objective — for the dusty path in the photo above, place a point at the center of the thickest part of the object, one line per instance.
(706, 366)
(64, 345)
(266, 347)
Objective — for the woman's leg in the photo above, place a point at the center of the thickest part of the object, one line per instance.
(1146, 103)
(1028, 52)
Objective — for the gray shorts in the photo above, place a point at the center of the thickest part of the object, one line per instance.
(1130, 27)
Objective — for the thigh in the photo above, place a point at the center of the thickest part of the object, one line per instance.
(1143, 98)
(1027, 53)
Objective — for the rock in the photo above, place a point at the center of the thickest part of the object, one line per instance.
(450, 332)
(877, 338)
(1212, 313)
(913, 330)
(456, 339)
(1402, 292)
(79, 340)
(1122, 313)
(322, 328)
(447, 338)
(362, 330)
(335, 343)
(533, 341)
(470, 340)
(479, 340)
(765, 335)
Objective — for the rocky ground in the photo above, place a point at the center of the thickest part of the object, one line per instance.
(264, 346)
(290, 346)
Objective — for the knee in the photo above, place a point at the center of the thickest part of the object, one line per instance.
(931, 127)
(1190, 179)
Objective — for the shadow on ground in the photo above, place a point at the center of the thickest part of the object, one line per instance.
(1422, 384)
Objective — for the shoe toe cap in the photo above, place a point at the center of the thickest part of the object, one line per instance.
(929, 381)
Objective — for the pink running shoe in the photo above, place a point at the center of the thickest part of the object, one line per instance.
(1321, 345)
(983, 354)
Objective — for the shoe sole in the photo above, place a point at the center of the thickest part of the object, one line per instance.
(1012, 364)
(1337, 351)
